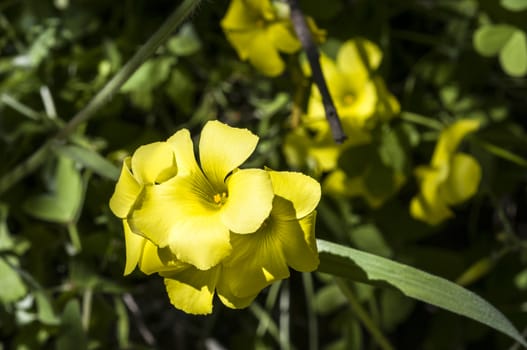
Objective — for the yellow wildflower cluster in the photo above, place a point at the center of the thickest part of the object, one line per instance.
(212, 227)
(362, 102)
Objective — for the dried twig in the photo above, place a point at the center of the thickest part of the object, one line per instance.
(304, 34)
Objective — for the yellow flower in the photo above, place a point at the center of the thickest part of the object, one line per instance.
(361, 100)
(150, 164)
(360, 97)
(363, 103)
(193, 213)
(452, 177)
(259, 30)
(213, 228)
(286, 239)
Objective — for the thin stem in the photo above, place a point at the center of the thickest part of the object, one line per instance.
(146, 334)
(422, 120)
(87, 299)
(363, 316)
(284, 305)
(104, 95)
(25, 168)
(19, 107)
(304, 35)
(74, 237)
(312, 323)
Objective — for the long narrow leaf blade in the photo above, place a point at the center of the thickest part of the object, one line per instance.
(347, 262)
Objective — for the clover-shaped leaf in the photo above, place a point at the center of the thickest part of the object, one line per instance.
(514, 5)
(508, 42)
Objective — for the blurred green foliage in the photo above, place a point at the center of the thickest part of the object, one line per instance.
(62, 251)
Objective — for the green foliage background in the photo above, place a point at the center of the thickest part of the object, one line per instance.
(62, 251)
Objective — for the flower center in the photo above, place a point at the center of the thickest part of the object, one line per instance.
(220, 198)
(349, 99)
(260, 23)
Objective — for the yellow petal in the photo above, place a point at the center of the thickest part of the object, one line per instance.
(170, 202)
(240, 16)
(134, 244)
(431, 213)
(153, 163)
(184, 150)
(463, 180)
(230, 300)
(298, 243)
(264, 56)
(256, 261)
(156, 259)
(223, 148)
(192, 290)
(283, 38)
(249, 202)
(299, 189)
(200, 241)
(127, 191)
(357, 59)
(450, 139)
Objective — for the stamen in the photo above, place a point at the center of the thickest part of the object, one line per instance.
(220, 198)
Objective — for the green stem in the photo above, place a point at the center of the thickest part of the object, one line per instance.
(74, 237)
(105, 94)
(312, 323)
(421, 120)
(86, 308)
(363, 316)
(19, 107)
(25, 168)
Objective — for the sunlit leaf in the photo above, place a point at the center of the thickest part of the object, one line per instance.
(186, 42)
(489, 39)
(12, 286)
(62, 205)
(513, 56)
(72, 335)
(514, 5)
(368, 268)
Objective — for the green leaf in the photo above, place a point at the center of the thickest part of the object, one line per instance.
(151, 74)
(186, 42)
(91, 160)
(62, 205)
(72, 335)
(513, 56)
(12, 286)
(489, 39)
(368, 268)
(514, 5)
(46, 314)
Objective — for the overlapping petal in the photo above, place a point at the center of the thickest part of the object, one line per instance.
(155, 162)
(134, 245)
(222, 149)
(249, 192)
(257, 260)
(126, 192)
(302, 191)
(184, 149)
(192, 290)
